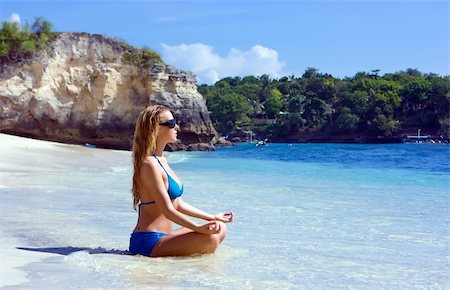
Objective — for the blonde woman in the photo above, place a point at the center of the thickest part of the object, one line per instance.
(157, 196)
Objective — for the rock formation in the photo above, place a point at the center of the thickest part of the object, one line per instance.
(80, 91)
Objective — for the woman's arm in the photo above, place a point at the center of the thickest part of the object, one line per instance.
(192, 211)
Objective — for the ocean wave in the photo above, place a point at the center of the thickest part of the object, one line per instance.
(177, 157)
(118, 169)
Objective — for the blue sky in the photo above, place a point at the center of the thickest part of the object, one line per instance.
(215, 39)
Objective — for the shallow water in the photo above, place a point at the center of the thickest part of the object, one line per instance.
(309, 216)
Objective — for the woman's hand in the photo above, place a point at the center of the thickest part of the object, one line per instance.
(226, 217)
(209, 228)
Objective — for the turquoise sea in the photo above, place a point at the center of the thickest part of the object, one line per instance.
(308, 216)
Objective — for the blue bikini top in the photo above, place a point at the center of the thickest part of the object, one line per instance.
(174, 189)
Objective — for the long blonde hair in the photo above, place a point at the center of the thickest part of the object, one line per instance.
(144, 143)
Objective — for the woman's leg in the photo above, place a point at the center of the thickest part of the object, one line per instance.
(185, 242)
(184, 230)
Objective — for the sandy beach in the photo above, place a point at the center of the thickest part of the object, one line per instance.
(17, 155)
(25, 156)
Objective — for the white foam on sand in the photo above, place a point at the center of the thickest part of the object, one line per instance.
(13, 258)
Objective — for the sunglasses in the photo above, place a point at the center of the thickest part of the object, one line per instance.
(171, 123)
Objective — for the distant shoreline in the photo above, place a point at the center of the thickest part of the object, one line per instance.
(24, 141)
(343, 139)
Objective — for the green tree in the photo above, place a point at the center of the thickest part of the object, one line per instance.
(229, 111)
(296, 104)
(444, 127)
(382, 125)
(357, 101)
(310, 73)
(315, 110)
(221, 88)
(438, 103)
(248, 90)
(346, 121)
(10, 39)
(19, 43)
(265, 82)
(274, 103)
(41, 26)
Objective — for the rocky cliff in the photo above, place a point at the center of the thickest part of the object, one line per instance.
(80, 91)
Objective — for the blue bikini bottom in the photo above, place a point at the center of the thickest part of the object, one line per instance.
(142, 243)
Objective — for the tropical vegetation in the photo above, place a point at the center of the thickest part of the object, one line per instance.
(318, 105)
(19, 43)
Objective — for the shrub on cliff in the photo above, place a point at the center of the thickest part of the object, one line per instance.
(19, 43)
(143, 57)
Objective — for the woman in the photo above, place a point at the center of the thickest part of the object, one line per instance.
(157, 194)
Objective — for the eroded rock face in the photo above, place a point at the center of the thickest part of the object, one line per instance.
(81, 92)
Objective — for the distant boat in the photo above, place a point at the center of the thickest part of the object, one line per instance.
(418, 138)
(260, 143)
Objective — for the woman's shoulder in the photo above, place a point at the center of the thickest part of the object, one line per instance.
(150, 164)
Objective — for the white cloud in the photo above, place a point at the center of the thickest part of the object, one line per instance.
(15, 17)
(210, 67)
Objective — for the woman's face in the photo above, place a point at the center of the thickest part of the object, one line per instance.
(167, 133)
